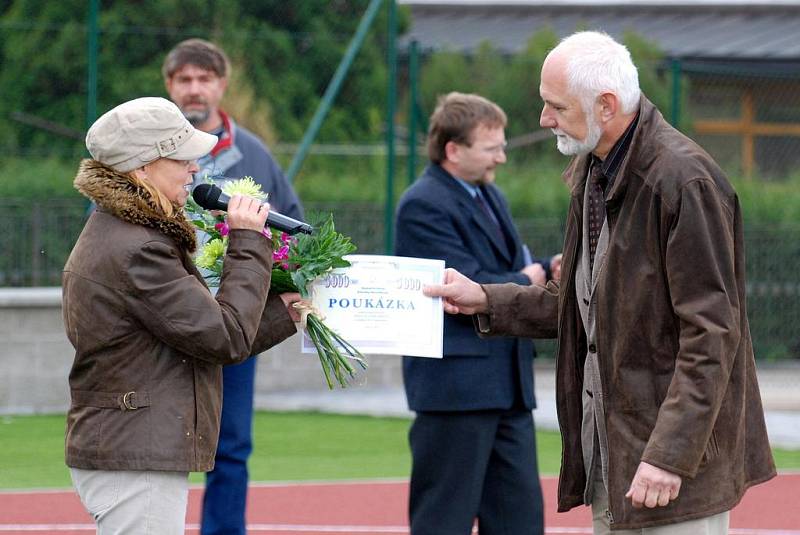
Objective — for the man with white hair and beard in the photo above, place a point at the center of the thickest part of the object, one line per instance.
(657, 396)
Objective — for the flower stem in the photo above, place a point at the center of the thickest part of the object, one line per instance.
(328, 344)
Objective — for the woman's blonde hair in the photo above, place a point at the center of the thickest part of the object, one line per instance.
(159, 198)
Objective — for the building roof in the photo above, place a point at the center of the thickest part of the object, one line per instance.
(687, 29)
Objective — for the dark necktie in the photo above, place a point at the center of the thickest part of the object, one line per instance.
(495, 223)
(488, 211)
(597, 209)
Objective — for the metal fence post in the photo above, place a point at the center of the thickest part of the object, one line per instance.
(391, 106)
(36, 244)
(676, 92)
(91, 60)
(413, 77)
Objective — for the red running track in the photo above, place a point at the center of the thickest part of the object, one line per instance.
(370, 508)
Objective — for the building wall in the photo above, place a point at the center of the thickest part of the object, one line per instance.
(35, 355)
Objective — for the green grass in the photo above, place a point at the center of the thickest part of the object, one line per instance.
(33, 452)
(288, 447)
(787, 459)
(308, 446)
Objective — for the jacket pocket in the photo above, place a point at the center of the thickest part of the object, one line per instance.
(712, 450)
(126, 436)
(83, 432)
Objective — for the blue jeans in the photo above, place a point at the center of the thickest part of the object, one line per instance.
(225, 495)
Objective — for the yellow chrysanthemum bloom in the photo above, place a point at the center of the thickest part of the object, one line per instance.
(210, 253)
(244, 186)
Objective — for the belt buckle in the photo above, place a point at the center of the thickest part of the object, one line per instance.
(126, 401)
(167, 147)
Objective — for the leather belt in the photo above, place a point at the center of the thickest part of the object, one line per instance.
(126, 401)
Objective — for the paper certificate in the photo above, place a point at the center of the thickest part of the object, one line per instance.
(377, 305)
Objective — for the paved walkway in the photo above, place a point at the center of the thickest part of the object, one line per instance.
(780, 392)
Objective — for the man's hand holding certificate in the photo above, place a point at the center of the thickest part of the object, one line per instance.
(378, 306)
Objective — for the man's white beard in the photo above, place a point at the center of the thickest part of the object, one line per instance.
(570, 146)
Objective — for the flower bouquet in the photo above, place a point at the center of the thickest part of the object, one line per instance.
(298, 261)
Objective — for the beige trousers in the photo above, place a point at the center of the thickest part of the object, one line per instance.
(710, 525)
(134, 503)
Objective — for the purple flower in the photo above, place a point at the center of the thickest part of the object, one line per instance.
(281, 254)
(222, 228)
(267, 232)
(285, 238)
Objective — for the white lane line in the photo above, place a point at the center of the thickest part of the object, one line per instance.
(317, 528)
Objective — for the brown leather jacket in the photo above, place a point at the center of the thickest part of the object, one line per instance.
(149, 337)
(674, 344)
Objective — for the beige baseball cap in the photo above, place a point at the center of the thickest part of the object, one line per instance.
(143, 130)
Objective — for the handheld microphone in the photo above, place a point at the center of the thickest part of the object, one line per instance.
(211, 197)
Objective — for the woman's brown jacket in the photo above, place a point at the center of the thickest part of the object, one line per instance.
(150, 339)
(676, 359)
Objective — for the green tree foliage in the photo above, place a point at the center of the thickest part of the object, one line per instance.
(283, 55)
(444, 71)
(654, 79)
(519, 91)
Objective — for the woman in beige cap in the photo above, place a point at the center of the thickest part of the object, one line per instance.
(149, 337)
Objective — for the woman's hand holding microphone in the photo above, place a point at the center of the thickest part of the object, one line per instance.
(247, 213)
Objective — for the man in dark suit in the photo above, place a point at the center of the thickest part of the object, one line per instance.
(472, 442)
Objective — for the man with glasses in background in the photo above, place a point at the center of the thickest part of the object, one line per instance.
(472, 442)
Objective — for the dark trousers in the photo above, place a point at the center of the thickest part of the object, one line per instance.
(225, 495)
(477, 464)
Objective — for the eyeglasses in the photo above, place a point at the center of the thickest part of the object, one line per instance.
(495, 149)
(184, 163)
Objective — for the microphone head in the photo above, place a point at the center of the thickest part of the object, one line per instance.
(208, 197)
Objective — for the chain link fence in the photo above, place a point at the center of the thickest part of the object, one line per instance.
(44, 233)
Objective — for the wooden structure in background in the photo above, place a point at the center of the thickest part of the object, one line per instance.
(748, 127)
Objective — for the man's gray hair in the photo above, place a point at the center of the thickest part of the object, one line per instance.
(596, 64)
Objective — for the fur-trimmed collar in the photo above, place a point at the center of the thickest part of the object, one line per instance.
(115, 193)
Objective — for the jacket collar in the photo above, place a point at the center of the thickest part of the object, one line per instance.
(113, 192)
(471, 207)
(227, 136)
(449, 181)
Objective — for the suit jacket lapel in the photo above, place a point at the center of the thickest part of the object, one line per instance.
(470, 207)
(511, 241)
(482, 221)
